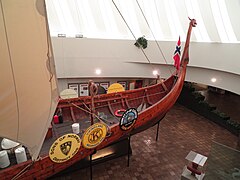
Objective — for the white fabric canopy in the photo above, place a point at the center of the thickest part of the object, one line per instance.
(217, 19)
(28, 90)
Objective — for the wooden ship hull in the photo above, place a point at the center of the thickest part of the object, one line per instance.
(158, 100)
(152, 103)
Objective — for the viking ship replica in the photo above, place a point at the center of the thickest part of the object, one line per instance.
(26, 113)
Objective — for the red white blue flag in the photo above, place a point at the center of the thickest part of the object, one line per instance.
(177, 55)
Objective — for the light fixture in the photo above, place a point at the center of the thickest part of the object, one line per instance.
(155, 72)
(98, 71)
(78, 36)
(61, 35)
(213, 80)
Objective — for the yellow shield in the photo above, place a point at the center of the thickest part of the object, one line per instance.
(64, 148)
(116, 87)
(94, 135)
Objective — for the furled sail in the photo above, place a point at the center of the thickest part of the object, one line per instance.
(28, 89)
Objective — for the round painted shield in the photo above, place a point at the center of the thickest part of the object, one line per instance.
(128, 119)
(115, 87)
(64, 148)
(94, 135)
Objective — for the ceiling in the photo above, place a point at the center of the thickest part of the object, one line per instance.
(165, 20)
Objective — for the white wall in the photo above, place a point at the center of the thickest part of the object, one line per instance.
(224, 80)
(78, 58)
(63, 82)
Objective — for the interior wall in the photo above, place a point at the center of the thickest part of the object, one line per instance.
(79, 57)
(224, 80)
(63, 82)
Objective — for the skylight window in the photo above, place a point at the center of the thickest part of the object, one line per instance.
(167, 19)
(170, 19)
(150, 13)
(201, 32)
(108, 18)
(218, 20)
(60, 15)
(176, 21)
(69, 26)
(86, 12)
(226, 21)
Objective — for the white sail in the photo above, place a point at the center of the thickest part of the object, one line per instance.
(28, 89)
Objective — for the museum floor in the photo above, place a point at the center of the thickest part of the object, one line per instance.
(180, 132)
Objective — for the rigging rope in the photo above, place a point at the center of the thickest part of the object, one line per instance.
(23, 171)
(118, 102)
(153, 36)
(100, 120)
(51, 72)
(86, 111)
(132, 33)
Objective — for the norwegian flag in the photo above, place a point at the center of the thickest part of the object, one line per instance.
(177, 55)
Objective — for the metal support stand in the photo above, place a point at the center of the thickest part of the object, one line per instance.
(94, 152)
(129, 144)
(238, 143)
(157, 130)
(91, 167)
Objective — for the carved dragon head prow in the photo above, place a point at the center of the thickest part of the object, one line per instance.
(193, 22)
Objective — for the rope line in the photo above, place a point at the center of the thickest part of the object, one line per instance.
(51, 75)
(23, 171)
(132, 33)
(128, 99)
(100, 120)
(89, 112)
(153, 36)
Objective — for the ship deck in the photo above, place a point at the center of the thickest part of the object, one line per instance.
(61, 129)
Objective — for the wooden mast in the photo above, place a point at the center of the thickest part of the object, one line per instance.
(92, 92)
